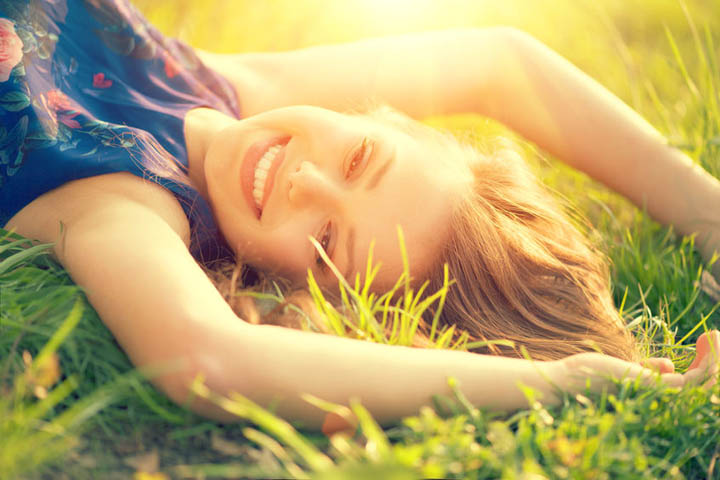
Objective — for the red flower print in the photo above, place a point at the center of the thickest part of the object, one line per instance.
(99, 81)
(58, 101)
(60, 107)
(10, 48)
(69, 120)
(172, 67)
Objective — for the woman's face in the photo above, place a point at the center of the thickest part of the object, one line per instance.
(280, 177)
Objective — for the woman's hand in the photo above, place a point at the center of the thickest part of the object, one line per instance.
(599, 369)
(706, 365)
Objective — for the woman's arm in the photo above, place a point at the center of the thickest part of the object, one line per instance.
(165, 313)
(420, 74)
(277, 363)
(133, 263)
(505, 74)
(127, 248)
(551, 102)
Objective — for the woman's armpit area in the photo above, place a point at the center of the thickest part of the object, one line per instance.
(48, 216)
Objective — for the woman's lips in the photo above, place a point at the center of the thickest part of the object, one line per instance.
(250, 161)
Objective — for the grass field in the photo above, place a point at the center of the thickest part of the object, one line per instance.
(72, 407)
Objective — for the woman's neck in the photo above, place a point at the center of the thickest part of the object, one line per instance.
(201, 125)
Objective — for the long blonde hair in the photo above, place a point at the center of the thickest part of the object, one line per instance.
(522, 271)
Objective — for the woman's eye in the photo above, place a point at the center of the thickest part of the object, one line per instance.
(360, 157)
(324, 241)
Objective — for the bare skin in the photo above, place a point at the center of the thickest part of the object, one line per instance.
(176, 318)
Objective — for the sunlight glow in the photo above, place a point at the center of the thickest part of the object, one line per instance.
(401, 9)
(400, 15)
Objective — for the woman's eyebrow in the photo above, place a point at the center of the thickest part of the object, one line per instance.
(378, 175)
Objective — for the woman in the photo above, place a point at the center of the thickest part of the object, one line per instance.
(95, 99)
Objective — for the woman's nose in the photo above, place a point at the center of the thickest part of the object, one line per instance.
(308, 184)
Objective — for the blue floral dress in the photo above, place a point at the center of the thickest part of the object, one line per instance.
(89, 87)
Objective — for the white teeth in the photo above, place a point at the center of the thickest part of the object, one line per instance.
(264, 162)
(261, 173)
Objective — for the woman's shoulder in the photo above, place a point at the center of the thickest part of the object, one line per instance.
(45, 217)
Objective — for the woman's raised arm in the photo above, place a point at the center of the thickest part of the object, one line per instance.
(551, 102)
(420, 74)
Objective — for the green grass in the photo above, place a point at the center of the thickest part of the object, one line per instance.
(91, 418)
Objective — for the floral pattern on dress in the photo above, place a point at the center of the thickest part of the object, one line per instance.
(45, 119)
(10, 48)
(21, 128)
(49, 118)
(92, 87)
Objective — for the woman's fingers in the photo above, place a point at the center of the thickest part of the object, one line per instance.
(674, 379)
(704, 368)
(708, 343)
(662, 365)
(666, 368)
(599, 368)
(698, 376)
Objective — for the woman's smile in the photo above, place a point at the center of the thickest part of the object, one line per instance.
(260, 164)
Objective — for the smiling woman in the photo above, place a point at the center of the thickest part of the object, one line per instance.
(144, 159)
(345, 180)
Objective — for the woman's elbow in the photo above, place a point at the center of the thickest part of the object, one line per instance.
(204, 373)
